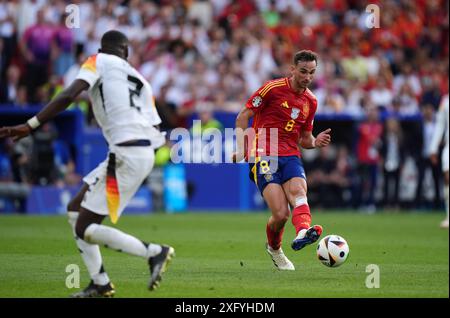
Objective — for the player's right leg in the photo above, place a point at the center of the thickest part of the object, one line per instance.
(100, 285)
(276, 200)
(295, 189)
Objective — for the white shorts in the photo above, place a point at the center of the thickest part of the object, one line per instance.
(115, 181)
(445, 159)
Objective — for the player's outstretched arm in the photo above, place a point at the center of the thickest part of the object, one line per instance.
(241, 125)
(307, 140)
(53, 108)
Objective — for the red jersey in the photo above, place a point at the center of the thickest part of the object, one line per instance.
(277, 105)
(369, 137)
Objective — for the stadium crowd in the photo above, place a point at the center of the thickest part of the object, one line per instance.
(216, 53)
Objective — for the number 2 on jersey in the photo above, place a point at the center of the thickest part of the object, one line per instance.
(136, 91)
(133, 92)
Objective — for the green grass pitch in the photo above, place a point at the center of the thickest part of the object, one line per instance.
(222, 255)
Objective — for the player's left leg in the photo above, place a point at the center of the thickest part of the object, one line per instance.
(100, 285)
(276, 200)
(90, 253)
(296, 189)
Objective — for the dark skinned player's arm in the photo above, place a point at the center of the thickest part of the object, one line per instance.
(53, 108)
(62, 101)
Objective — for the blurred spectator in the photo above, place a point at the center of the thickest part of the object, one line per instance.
(42, 160)
(62, 47)
(329, 178)
(36, 49)
(9, 89)
(393, 156)
(353, 95)
(409, 78)
(368, 153)
(408, 101)
(7, 35)
(432, 94)
(65, 165)
(423, 161)
(206, 119)
(381, 95)
(355, 66)
(82, 102)
(166, 110)
(20, 158)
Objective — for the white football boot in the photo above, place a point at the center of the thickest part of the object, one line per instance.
(279, 259)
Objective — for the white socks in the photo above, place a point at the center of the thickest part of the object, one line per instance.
(120, 241)
(90, 254)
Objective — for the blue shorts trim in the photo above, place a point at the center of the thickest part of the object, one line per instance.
(277, 170)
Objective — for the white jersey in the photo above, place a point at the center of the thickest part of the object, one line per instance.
(122, 100)
(441, 126)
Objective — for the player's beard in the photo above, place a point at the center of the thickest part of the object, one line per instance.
(303, 84)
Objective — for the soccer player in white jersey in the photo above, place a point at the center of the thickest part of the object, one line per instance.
(124, 108)
(442, 132)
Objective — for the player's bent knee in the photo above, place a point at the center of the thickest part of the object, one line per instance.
(85, 219)
(281, 216)
(80, 229)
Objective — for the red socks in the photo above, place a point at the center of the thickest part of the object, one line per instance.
(301, 218)
(274, 238)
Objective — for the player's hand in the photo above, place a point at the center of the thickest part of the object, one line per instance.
(434, 159)
(323, 139)
(16, 132)
(237, 157)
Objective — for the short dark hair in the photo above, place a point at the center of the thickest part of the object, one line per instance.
(305, 56)
(113, 38)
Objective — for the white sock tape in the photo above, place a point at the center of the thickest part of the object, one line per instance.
(300, 201)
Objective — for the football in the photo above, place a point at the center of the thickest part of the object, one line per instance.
(332, 250)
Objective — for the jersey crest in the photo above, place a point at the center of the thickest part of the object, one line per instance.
(295, 112)
(305, 110)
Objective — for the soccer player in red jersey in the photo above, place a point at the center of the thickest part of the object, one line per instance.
(287, 107)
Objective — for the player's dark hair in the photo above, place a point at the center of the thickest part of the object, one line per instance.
(113, 38)
(305, 56)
